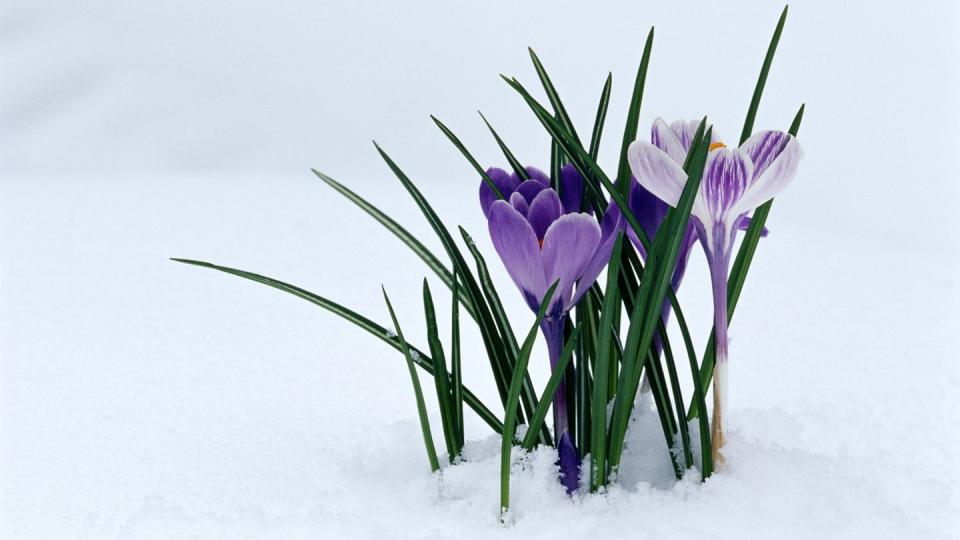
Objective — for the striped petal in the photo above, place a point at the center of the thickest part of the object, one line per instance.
(725, 180)
(777, 173)
(764, 147)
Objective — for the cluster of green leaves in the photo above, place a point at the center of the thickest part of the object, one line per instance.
(606, 356)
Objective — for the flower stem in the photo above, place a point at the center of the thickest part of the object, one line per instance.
(719, 263)
(569, 455)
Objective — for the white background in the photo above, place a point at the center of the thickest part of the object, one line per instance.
(139, 398)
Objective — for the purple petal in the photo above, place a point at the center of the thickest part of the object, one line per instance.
(774, 178)
(519, 203)
(612, 222)
(504, 183)
(648, 209)
(725, 180)
(571, 188)
(517, 245)
(656, 171)
(764, 147)
(569, 244)
(744, 223)
(538, 175)
(530, 188)
(544, 210)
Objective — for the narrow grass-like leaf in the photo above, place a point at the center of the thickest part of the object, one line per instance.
(423, 361)
(581, 377)
(552, 95)
(440, 377)
(738, 273)
(513, 399)
(463, 150)
(762, 80)
(496, 352)
(415, 245)
(601, 117)
(556, 162)
(586, 318)
(455, 367)
(528, 397)
(546, 398)
(511, 159)
(678, 402)
(633, 116)
(421, 407)
(601, 371)
(653, 288)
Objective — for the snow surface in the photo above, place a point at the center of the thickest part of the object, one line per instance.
(140, 398)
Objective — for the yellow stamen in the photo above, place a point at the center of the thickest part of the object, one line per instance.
(714, 146)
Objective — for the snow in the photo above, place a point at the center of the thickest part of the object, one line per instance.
(141, 398)
(145, 399)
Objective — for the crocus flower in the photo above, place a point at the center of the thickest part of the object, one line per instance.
(674, 140)
(734, 183)
(542, 238)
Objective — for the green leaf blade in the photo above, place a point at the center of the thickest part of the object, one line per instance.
(422, 360)
(418, 393)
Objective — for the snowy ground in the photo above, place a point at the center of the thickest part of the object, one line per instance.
(140, 398)
(143, 399)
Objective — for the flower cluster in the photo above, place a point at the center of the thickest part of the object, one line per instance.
(555, 235)
(543, 238)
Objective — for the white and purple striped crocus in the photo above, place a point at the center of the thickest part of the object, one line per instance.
(650, 211)
(543, 238)
(735, 181)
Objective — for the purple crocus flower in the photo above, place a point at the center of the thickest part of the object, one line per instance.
(734, 183)
(542, 238)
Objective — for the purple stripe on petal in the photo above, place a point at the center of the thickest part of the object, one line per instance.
(544, 210)
(571, 188)
(570, 243)
(517, 245)
(530, 188)
(763, 148)
(504, 183)
(725, 180)
(777, 175)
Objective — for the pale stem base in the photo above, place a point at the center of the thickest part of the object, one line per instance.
(717, 438)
